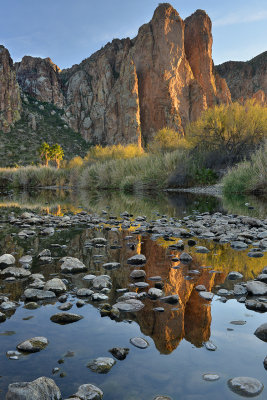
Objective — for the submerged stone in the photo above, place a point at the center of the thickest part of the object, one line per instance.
(245, 386)
(139, 342)
(210, 377)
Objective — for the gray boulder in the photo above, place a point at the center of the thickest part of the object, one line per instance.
(15, 272)
(6, 260)
(245, 386)
(257, 288)
(55, 285)
(72, 264)
(65, 318)
(101, 282)
(87, 392)
(37, 294)
(33, 345)
(41, 389)
(101, 365)
(261, 332)
(137, 259)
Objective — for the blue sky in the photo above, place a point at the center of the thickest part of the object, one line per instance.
(68, 31)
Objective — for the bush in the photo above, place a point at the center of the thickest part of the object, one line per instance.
(166, 140)
(116, 152)
(75, 162)
(227, 133)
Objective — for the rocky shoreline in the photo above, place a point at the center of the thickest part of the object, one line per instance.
(241, 232)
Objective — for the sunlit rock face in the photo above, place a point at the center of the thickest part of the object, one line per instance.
(145, 84)
(131, 88)
(39, 78)
(162, 77)
(10, 103)
(246, 79)
(198, 49)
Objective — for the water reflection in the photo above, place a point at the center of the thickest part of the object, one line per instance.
(191, 320)
(176, 359)
(60, 201)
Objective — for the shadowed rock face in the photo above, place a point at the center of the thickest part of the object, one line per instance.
(246, 79)
(39, 78)
(10, 103)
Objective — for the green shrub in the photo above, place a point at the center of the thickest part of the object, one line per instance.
(167, 139)
(115, 152)
(229, 131)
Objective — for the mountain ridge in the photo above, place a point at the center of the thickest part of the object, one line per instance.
(131, 88)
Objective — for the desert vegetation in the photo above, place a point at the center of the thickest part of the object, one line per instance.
(249, 176)
(223, 137)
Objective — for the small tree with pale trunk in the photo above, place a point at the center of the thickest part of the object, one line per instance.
(44, 151)
(56, 154)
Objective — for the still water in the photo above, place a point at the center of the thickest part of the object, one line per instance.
(176, 359)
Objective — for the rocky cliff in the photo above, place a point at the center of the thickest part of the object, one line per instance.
(246, 79)
(39, 78)
(144, 84)
(10, 103)
(131, 88)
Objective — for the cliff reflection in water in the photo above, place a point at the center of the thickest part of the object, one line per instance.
(190, 320)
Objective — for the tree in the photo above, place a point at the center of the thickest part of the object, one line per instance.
(56, 153)
(44, 151)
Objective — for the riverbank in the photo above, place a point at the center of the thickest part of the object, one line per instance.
(212, 190)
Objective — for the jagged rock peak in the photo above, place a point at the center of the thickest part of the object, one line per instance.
(10, 102)
(39, 78)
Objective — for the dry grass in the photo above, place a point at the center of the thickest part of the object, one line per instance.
(149, 172)
(33, 176)
(248, 176)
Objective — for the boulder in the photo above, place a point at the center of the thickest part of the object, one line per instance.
(40, 389)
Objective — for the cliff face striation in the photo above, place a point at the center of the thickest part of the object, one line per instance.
(131, 88)
(157, 79)
(10, 102)
(39, 78)
(246, 79)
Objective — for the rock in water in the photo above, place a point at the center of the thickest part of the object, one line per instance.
(119, 352)
(72, 264)
(261, 332)
(65, 318)
(138, 259)
(6, 259)
(33, 345)
(139, 342)
(55, 285)
(41, 389)
(257, 288)
(245, 386)
(87, 392)
(101, 365)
